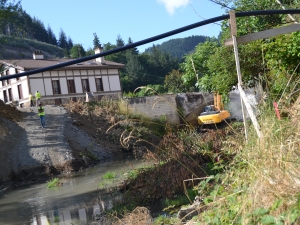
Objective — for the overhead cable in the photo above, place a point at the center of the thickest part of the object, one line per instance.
(148, 40)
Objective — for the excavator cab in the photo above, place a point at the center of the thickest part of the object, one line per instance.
(213, 113)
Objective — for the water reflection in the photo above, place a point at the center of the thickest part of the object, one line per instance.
(80, 200)
(80, 216)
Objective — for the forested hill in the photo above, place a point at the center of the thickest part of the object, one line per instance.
(180, 46)
(22, 48)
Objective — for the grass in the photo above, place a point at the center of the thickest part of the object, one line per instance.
(108, 178)
(86, 152)
(179, 200)
(109, 175)
(132, 174)
(53, 183)
(166, 220)
(254, 182)
(260, 185)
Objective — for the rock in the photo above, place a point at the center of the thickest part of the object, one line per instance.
(188, 212)
(192, 104)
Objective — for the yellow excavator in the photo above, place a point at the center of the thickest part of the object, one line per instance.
(214, 113)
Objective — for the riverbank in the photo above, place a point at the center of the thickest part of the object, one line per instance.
(76, 136)
(31, 152)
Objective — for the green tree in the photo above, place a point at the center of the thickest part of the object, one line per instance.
(119, 41)
(70, 43)
(96, 41)
(66, 53)
(77, 51)
(134, 73)
(112, 57)
(120, 56)
(51, 36)
(173, 82)
(195, 65)
(89, 51)
(133, 50)
(252, 24)
(8, 11)
(39, 31)
(62, 40)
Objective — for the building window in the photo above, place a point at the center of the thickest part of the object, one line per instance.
(99, 84)
(7, 73)
(10, 96)
(20, 92)
(3, 81)
(5, 96)
(17, 71)
(85, 85)
(56, 87)
(71, 86)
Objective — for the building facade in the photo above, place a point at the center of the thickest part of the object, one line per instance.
(101, 77)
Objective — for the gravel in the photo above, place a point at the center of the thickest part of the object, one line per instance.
(28, 150)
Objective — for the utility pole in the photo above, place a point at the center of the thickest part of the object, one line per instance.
(244, 100)
(244, 39)
(232, 23)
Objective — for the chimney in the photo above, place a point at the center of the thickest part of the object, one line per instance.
(97, 51)
(38, 55)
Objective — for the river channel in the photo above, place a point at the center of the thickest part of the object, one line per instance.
(79, 200)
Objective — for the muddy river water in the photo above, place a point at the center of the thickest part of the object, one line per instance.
(80, 200)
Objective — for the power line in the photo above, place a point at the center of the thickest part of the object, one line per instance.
(198, 13)
(148, 40)
(222, 4)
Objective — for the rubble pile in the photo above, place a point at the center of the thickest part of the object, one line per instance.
(9, 112)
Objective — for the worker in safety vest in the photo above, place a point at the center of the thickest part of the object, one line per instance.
(37, 98)
(41, 113)
(31, 98)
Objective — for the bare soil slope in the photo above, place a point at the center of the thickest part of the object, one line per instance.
(29, 151)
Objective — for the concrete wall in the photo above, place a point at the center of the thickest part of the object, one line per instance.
(155, 107)
(190, 105)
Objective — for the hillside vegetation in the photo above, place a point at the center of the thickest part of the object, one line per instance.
(22, 48)
(179, 47)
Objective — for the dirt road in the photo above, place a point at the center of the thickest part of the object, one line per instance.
(29, 151)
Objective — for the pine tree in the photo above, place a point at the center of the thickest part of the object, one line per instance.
(134, 50)
(70, 43)
(96, 41)
(62, 40)
(51, 36)
(119, 41)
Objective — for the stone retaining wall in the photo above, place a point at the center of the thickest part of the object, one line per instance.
(155, 107)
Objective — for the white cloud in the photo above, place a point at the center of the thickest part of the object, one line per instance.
(171, 5)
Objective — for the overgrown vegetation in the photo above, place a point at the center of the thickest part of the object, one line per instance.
(113, 122)
(54, 183)
(238, 182)
(109, 175)
(260, 185)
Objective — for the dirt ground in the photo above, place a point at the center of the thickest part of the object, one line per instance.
(67, 144)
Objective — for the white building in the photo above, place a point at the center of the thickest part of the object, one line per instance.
(59, 85)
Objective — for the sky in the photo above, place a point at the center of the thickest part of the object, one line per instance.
(137, 19)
